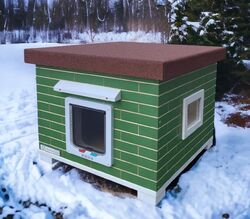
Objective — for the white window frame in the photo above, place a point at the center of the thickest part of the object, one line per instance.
(106, 158)
(188, 130)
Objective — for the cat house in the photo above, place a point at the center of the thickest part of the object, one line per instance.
(133, 113)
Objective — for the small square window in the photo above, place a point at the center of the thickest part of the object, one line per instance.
(192, 113)
(89, 130)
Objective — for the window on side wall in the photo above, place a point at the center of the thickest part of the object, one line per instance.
(192, 118)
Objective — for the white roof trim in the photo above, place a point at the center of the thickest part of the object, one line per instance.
(88, 90)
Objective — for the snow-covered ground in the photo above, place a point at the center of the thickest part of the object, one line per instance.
(85, 37)
(139, 36)
(218, 184)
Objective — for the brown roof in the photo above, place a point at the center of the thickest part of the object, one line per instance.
(143, 60)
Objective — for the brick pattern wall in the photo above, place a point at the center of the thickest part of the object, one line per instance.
(148, 148)
(135, 122)
(173, 152)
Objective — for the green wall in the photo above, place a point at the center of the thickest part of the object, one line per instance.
(147, 126)
(173, 152)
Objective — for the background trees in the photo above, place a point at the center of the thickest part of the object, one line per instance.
(62, 17)
(2, 8)
(218, 23)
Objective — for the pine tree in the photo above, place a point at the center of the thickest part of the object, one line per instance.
(220, 23)
(240, 24)
(180, 30)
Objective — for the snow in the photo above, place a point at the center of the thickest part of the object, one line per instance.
(210, 22)
(206, 13)
(225, 110)
(85, 37)
(161, 2)
(138, 36)
(174, 8)
(202, 32)
(219, 183)
(228, 32)
(247, 64)
(11, 62)
(194, 25)
(112, 3)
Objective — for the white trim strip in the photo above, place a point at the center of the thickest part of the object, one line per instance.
(88, 90)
